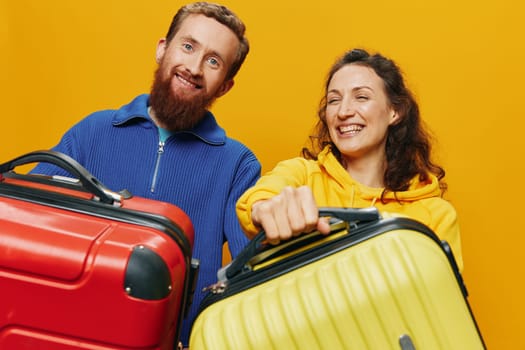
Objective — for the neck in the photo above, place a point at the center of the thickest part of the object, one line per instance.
(151, 113)
(369, 172)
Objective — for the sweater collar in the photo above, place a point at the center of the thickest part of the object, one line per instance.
(207, 130)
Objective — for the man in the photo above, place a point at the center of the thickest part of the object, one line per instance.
(167, 145)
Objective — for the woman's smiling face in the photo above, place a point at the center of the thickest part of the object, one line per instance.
(358, 112)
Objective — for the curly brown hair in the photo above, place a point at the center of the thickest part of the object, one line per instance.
(408, 145)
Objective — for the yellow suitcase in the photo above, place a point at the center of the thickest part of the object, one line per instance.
(374, 283)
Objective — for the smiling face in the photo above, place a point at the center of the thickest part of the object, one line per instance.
(358, 113)
(192, 71)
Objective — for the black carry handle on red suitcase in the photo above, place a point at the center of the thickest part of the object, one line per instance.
(87, 181)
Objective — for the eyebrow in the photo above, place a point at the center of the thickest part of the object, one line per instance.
(362, 87)
(357, 88)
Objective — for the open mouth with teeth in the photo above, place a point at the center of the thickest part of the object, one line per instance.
(188, 83)
(350, 129)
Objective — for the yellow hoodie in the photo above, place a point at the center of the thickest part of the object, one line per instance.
(332, 186)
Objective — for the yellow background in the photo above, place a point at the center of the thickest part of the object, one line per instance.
(464, 60)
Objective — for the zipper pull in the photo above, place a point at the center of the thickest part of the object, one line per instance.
(216, 288)
(161, 147)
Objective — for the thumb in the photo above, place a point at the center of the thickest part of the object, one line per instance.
(323, 225)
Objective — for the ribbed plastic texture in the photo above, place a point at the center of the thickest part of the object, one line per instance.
(395, 285)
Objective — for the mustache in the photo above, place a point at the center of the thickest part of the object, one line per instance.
(197, 80)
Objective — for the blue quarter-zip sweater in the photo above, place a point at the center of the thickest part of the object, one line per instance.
(202, 171)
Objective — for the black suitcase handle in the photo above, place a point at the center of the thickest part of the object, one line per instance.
(88, 181)
(256, 246)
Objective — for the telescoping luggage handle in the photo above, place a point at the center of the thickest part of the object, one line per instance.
(88, 181)
(351, 216)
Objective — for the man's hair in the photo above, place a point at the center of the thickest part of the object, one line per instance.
(222, 15)
(408, 145)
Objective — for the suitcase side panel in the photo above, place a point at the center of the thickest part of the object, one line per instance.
(70, 288)
(141, 211)
(96, 307)
(52, 244)
(365, 297)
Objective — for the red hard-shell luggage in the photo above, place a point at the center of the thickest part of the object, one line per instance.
(82, 267)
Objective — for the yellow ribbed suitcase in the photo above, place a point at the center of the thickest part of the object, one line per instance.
(374, 283)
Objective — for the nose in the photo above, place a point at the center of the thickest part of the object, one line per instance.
(194, 65)
(346, 109)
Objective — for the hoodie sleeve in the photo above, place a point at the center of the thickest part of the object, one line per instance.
(445, 225)
(286, 173)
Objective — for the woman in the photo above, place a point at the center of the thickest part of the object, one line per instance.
(370, 149)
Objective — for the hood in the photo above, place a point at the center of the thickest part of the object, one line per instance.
(416, 191)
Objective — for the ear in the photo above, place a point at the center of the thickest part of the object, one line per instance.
(395, 118)
(161, 49)
(225, 87)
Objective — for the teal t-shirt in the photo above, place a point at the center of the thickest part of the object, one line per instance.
(164, 134)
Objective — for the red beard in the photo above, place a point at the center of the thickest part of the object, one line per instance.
(172, 111)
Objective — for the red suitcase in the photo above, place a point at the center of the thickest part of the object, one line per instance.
(82, 267)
